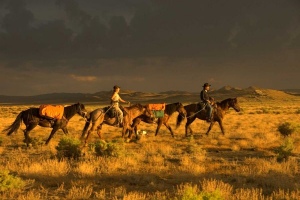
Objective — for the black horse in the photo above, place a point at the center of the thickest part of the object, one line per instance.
(195, 111)
(31, 118)
(169, 110)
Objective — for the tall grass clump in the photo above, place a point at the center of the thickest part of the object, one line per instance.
(68, 148)
(8, 181)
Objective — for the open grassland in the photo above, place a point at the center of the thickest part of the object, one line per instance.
(243, 164)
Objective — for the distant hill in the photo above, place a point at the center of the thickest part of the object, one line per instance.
(293, 91)
(250, 93)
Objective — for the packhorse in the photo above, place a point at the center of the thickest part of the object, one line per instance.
(101, 116)
(168, 112)
(195, 111)
(31, 118)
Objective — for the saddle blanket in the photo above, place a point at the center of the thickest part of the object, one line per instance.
(157, 106)
(54, 111)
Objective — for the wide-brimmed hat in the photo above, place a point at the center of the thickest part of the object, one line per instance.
(205, 85)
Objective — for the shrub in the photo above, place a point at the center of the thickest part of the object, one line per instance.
(68, 148)
(286, 129)
(114, 148)
(285, 150)
(8, 181)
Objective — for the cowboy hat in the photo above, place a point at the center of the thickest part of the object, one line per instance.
(205, 85)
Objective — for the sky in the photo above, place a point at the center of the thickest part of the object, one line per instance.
(87, 46)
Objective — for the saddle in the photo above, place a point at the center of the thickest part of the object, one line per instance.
(201, 105)
(111, 112)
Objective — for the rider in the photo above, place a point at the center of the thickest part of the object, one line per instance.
(206, 100)
(115, 98)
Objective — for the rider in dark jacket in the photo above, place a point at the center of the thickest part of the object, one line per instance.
(206, 100)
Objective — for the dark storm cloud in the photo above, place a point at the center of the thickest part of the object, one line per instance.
(160, 28)
(99, 42)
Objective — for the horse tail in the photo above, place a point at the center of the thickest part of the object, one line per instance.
(15, 125)
(179, 120)
(87, 124)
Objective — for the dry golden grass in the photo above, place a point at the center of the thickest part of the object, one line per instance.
(240, 165)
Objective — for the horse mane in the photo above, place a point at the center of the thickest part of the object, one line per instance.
(223, 102)
(170, 108)
(72, 109)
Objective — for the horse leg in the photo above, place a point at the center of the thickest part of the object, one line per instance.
(99, 131)
(93, 128)
(134, 126)
(210, 126)
(187, 126)
(221, 126)
(29, 127)
(159, 123)
(27, 139)
(170, 129)
(55, 128)
(65, 130)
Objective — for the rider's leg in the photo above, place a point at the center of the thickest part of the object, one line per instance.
(209, 112)
(120, 115)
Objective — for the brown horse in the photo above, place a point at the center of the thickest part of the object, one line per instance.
(169, 110)
(101, 116)
(195, 111)
(31, 118)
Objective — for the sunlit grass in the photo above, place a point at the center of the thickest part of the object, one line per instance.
(242, 164)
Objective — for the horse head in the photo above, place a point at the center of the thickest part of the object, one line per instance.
(234, 104)
(181, 110)
(81, 110)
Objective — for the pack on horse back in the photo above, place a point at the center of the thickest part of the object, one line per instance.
(158, 109)
(51, 112)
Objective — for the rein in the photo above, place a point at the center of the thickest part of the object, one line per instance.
(197, 111)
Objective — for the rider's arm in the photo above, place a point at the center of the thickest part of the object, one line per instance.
(123, 100)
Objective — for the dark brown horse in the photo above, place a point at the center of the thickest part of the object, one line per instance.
(31, 118)
(169, 110)
(100, 116)
(195, 111)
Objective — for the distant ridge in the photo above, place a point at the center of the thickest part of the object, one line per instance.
(102, 97)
